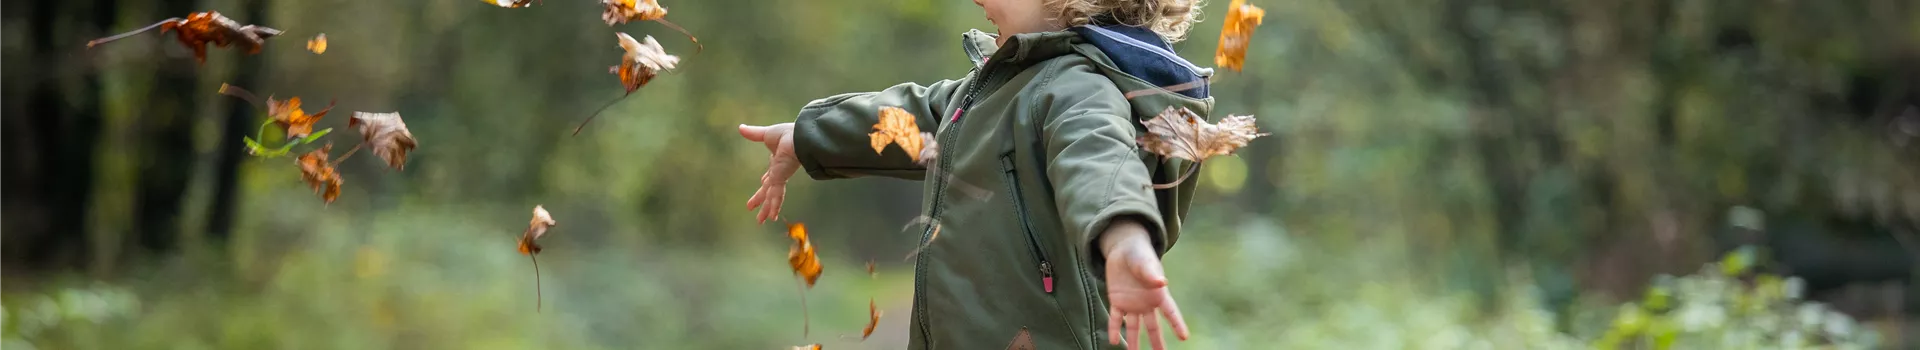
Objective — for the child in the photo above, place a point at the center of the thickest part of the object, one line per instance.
(1069, 241)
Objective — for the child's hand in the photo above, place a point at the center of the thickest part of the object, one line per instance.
(1136, 287)
(782, 165)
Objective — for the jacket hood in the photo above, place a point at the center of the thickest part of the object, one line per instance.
(1137, 60)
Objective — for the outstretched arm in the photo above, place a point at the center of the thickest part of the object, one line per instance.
(830, 134)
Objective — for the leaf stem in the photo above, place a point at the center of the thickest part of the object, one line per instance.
(806, 325)
(92, 43)
(261, 133)
(350, 151)
(538, 299)
(596, 113)
(697, 47)
(1183, 177)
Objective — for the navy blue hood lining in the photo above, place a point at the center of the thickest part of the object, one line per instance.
(1139, 52)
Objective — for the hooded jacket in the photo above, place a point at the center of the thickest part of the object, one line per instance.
(1037, 156)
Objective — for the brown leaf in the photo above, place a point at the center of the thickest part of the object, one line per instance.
(1236, 33)
(801, 255)
(622, 11)
(510, 3)
(318, 44)
(872, 323)
(896, 127)
(643, 61)
(319, 175)
(387, 134)
(807, 347)
(870, 272)
(536, 228)
(1179, 133)
(295, 122)
(200, 29)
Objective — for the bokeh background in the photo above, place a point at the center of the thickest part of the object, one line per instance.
(1443, 174)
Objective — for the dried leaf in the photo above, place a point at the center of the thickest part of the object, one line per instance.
(872, 323)
(387, 134)
(200, 29)
(622, 11)
(1236, 33)
(807, 347)
(929, 151)
(896, 127)
(318, 174)
(296, 123)
(1179, 133)
(536, 228)
(870, 271)
(643, 61)
(801, 255)
(510, 3)
(318, 44)
(923, 219)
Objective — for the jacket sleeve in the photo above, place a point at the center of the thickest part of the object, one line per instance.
(1094, 163)
(830, 134)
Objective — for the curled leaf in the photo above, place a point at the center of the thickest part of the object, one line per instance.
(1236, 33)
(1179, 133)
(801, 255)
(623, 11)
(807, 347)
(510, 3)
(318, 44)
(294, 121)
(643, 60)
(935, 234)
(200, 29)
(319, 175)
(896, 127)
(874, 322)
(387, 134)
(536, 228)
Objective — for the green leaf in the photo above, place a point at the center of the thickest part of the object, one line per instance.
(256, 149)
(316, 135)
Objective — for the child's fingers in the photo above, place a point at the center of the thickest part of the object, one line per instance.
(759, 195)
(1172, 312)
(1113, 326)
(1133, 332)
(1153, 331)
(753, 133)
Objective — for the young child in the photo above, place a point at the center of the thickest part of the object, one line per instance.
(1069, 241)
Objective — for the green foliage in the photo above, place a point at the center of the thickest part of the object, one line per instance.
(1728, 306)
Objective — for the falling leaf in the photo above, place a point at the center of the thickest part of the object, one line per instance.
(200, 29)
(896, 127)
(318, 44)
(288, 115)
(801, 255)
(923, 219)
(870, 272)
(536, 228)
(623, 11)
(1179, 133)
(1235, 34)
(929, 151)
(807, 347)
(318, 174)
(510, 3)
(873, 322)
(643, 61)
(388, 135)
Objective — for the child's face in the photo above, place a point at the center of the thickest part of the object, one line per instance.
(1016, 16)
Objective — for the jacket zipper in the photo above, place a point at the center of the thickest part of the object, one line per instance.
(939, 195)
(1033, 243)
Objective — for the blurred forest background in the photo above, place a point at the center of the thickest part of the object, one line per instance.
(1478, 174)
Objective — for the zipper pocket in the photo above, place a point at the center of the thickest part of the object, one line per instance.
(1020, 209)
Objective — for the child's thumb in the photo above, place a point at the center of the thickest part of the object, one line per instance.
(1149, 271)
(754, 133)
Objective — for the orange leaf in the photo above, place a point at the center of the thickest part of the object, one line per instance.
(807, 347)
(295, 122)
(872, 323)
(318, 174)
(1235, 34)
(200, 29)
(622, 11)
(318, 44)
(896, 127)
(870, 272)
(387, 134)
(536, 228)
(801, 255)
(510, 3)
(643, 61)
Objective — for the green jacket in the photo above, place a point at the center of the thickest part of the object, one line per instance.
(1037, 154)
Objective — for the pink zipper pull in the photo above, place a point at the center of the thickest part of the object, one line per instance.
(956, 115)
(1046, 276)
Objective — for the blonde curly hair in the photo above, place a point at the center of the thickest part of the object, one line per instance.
(1169, 18)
